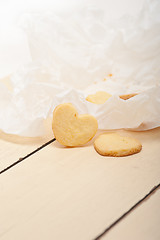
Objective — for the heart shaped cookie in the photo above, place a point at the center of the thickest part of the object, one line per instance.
(99, 97)
(112, 144)
(71, 129)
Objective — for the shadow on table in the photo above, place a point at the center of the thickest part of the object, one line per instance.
(21, 140)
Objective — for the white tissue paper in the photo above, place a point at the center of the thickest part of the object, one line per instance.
(73, 55)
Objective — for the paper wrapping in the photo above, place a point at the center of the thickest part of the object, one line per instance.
(73, 55)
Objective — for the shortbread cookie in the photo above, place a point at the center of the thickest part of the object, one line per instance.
(128, 96)
(99, 97)
(112, 144)
(71, 129)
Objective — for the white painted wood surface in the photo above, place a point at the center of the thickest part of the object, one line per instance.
(142, 223)
(14, 147)
(74, 193)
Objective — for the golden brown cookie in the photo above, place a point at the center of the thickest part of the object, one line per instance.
(71, 129)
(99, 97)
(112, 144)
(128, 96)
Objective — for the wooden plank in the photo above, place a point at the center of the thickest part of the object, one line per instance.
(74, 193)
(142, 223)
(15, 147)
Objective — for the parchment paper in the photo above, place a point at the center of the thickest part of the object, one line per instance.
(73, 55)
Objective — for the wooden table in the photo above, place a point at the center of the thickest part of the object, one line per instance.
(74, 193)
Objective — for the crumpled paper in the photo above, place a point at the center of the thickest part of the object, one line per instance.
(73, 56)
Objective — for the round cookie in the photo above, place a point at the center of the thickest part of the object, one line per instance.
(112, 144)
(71, 129)
(99, 97)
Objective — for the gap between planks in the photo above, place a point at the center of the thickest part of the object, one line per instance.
(28, 155)
(129, 211)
